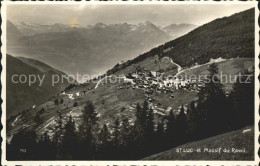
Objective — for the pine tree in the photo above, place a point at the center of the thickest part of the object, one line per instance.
(213, 86)
(104, 135)
(115, 139)
(70, 139)
(61, 101)
(125, 132)
(116, 134)
(150, 123)
(105, 144)
(56, 101)
(170, 129)
(58, 129)
(126, 139)
(47, 150)
(194, 121)
(160, 137)
(139, 128)
(145, 107)
(149, 131)
(57, 138)
(181, 127)
(242, 100)
(212, 105)
(138, 111)
(138, 122)
(88, 131)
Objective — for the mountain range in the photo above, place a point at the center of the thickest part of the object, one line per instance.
(87, 50)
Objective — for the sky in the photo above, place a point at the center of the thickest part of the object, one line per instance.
(90, 14)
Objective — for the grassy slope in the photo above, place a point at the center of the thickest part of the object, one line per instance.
(109, 101)
(181, 97)
(235, 139)
(229, 67)
(151, 64)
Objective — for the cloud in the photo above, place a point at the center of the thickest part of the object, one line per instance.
(73, 21)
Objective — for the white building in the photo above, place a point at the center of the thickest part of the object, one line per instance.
(154, 73)
(135, 75)
(128, 80)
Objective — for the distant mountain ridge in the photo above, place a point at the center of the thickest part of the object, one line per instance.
(28, 29)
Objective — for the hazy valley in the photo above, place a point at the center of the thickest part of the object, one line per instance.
(88, 50)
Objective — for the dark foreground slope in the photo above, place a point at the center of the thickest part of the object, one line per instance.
(239, 140)
(20, 95)
(228, 37)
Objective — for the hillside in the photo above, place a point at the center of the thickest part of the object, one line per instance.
(227, 70)
(240, 139)
(39, 65)
(21, 96)
(177, 30)
(13, 34)
(227, 37)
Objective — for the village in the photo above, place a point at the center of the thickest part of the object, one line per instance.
(151, 81)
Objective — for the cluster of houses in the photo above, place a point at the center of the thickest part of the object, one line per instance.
(155, 81)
